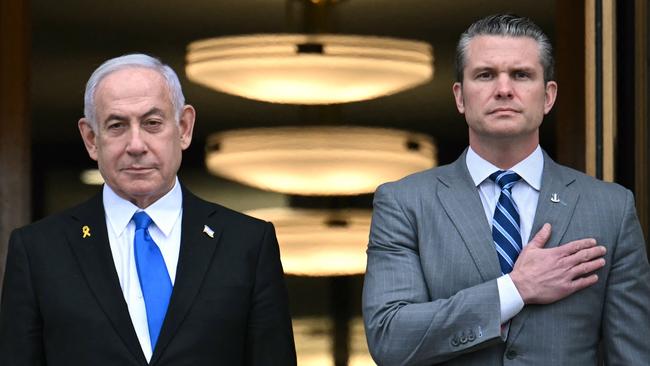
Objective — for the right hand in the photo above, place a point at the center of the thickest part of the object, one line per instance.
(543, 276)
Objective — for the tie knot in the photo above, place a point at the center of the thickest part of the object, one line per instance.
(505, 178)
(142, 220)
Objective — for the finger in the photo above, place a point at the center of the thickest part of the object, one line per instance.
(586, 268)
(582, 282)
(577, 246)
(540, 239)
(585, 255)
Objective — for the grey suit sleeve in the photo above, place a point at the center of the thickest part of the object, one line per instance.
(626, 313)
(21, 325)
(405, 323)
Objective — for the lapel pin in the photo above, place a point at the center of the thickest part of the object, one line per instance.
(85, 231)
(555, 198)
(209, 232)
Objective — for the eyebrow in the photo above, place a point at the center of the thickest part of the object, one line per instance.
(114, 116)
(153, 111)
(481, 68)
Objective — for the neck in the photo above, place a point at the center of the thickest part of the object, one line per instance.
(504, 154)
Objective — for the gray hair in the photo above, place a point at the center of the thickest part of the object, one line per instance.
(507, 25)
(127, 61)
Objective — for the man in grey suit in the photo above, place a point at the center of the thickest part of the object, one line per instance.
(448, 279)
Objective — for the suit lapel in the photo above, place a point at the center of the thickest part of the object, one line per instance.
(196, 252)
(557, 185)
(460, 199)
(93, 253)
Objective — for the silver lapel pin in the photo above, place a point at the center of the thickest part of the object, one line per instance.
(555, 198)
(208, 231)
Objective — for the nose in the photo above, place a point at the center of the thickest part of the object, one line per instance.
(504, 87)
(136, 144)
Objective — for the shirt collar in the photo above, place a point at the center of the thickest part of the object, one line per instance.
(164, 212)
(530, 169)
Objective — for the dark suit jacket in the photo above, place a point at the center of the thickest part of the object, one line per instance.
(62, 303)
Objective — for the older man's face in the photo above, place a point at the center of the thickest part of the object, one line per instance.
(138, 143)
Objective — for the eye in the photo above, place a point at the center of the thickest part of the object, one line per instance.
(115, 125)
(521, 75)
(152, 123)
(484, 75)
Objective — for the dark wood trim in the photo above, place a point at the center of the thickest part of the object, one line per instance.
(609, 100)
(601, 101)
(570, 75)
(15, 157)
(641, 117)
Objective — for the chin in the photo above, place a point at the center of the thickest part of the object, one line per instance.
(142, 189)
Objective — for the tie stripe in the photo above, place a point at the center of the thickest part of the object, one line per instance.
(505, 224)
(507, 215)
(503, 256)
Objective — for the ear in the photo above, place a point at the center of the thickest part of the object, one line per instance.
(89, 137)
(186, 125)
(458, 96)
(550, 94)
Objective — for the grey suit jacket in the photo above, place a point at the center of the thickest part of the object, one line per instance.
(430, 294)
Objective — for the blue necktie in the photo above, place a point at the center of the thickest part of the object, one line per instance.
(505, 224)
(152, 272)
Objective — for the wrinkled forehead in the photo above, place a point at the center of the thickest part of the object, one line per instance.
(132, 89)
(132, 82)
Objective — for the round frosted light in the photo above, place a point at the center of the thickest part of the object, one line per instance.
(91, 177)
(314, 335)
(315, 242)
(318, 160)
(309, 69)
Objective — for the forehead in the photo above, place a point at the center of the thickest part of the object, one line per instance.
(132, 83)
(487, 50)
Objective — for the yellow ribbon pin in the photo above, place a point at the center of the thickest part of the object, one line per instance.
(85, 231)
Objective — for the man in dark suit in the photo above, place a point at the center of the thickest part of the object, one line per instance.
(448, 279)
(145, 272)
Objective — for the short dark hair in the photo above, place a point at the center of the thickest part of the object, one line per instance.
(507, 25)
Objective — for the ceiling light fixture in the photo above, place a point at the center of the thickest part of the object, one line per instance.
(309, 68)
(313, 338)
(318, 160)
(91, 177)
(316, 242)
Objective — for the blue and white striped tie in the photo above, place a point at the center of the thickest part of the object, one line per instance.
(505, 224)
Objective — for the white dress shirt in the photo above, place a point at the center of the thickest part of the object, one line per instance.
(166, 214)
(525, 193)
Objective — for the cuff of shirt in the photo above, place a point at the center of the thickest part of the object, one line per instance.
(510, 300)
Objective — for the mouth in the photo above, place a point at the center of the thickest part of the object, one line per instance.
(503, 110)
(137, 169)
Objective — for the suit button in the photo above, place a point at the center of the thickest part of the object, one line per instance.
(511, 355)
(454, 342)
(471, 336)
